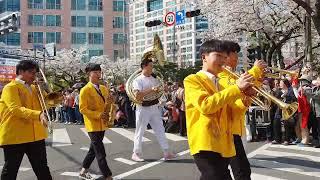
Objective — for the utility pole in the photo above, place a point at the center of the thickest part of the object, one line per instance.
(308, 39)
(174, 39)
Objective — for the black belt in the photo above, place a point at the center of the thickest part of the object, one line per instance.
(150, 103)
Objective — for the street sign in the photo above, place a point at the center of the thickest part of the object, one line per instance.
(170, 18)
(180, 17)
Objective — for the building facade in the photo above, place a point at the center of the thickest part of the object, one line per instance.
(98, 25)
(181, 43)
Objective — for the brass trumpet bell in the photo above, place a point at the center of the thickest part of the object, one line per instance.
(288, 110)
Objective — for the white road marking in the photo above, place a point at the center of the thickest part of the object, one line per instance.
(171, 137)
(128, 134)
(289, 154)
(255, 152)
(23, 169)
(85, 148)
(126, 161)
(264, 177)
(149, 165)
(60, 138)
(307, 149)
(303, 170)
(105, 139)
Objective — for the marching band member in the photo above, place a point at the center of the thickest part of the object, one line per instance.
(23, 124)
(148, 112)
(239, 163)
(93, 100)
(208, 122)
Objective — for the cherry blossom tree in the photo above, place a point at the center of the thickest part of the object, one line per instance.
(275, 22)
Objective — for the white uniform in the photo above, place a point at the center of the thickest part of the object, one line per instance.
(148, 115)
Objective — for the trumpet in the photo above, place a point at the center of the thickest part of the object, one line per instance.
(280, 72)
(288, 110)
(50, 99)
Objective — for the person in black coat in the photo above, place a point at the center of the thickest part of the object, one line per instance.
(287, 95)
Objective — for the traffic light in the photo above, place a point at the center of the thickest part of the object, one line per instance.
(153, 23)
(191, 14)
(9, 23)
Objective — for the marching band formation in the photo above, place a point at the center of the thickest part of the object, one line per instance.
(215, 100)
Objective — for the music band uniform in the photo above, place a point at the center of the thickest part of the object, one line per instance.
(21, 131)
(92, 102)
(239, 164)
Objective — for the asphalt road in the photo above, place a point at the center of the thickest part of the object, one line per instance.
(69, 144)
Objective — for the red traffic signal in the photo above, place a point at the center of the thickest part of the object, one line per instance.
(153, 23)
(191, 14)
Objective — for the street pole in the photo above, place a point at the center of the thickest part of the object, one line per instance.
(308, 39)
(174, 42)
(44, 60)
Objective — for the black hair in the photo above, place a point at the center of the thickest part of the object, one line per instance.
(25, 65)
(145, 62)
(213, 45)
(232, 46)
(286, 82)
(92, 67)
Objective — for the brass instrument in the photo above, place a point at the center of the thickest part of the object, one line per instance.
(157, 55)
(278, 73)
(287, 109)
(47, 97)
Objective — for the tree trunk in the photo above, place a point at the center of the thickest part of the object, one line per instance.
(270, 55)
(280, 58)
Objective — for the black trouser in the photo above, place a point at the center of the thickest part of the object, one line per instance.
(212, 166)
(277, 129)
(36, 152)
(183, 126)
(97, 150)
(240, 164)
(318, 123)
(289, 130)
(253, 125)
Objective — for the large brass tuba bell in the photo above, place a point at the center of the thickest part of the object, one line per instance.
(157, 55)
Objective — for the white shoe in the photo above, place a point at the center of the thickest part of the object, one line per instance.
(136, 158)
(86, 176)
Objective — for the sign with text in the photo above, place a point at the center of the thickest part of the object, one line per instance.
(180, 17)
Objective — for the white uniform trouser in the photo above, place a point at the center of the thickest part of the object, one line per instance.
(149, 115)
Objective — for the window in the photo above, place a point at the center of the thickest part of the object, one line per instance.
(35, 4)
(95, 38)
(12, 39)
(95, 53)
(153, 5)
(78, 4)
(95, 21)
(119, 5)
(53, 4)
(141, 30)
(53, 20)
(78, 38)
(35, 37)
(12, 5)
(95, 5)
(119, 38)
(78, 21)
(35, 20)
(119, 22)
(118, 54)
(201, 26)
(53, 37)
(170, 3)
